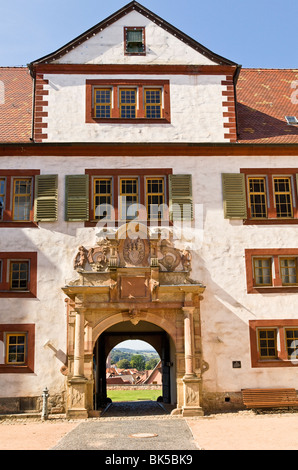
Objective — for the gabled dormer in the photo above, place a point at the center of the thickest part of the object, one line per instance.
(134, 77)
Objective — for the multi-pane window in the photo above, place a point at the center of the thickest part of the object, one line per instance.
(153, 103)
(102, 102)
(2, 197)
(128, 103)
(19, 275)
(257, 197)
(129, 196)
(292, 343)
(102, 197)
(288, 271)
(262, 268)
(283, 197)
(22, 198)
(15, 348)
(155, 197)
(267, 340)
(134, 40)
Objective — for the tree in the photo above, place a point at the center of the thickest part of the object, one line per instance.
(150, 365)
(137, 362)
(124, 364)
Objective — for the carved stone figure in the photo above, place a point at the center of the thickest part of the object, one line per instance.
(186, 260)
(81, 258)
(134, 316)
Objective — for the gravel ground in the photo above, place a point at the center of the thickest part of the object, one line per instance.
(233, 431)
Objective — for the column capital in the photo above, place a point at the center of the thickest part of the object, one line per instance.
(188, 310)
(80, 310)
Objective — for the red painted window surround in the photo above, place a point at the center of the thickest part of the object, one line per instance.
(29, 330)
(269, 173)
(280, 326)
(7, 220)
(275, 254)
(5, 290)
(139, 84)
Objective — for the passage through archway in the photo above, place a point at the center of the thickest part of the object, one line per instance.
(151, 334)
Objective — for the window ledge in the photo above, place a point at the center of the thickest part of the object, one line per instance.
(13, 294)
(127, 121)
(270, 221)
(13, 224)
(118, 223)
(10, 369)
(274, 363)
(273, 290)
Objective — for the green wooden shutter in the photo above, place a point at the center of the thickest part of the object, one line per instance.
(77, 197)
(180, 193)
(46, 198)
(234, 196)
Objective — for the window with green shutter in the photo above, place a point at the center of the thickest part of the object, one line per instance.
(77, 197)
(46, 198)
(234, 196)
(180, 195)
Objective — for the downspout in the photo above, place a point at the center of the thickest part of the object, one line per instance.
(33, 102)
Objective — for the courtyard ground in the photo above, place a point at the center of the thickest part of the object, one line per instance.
(233, 431)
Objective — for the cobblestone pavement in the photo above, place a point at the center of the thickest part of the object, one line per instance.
(131, 426)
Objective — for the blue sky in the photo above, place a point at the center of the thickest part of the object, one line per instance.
(255, 33)
(135, 344)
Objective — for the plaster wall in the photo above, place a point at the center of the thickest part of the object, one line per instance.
(107, 46)
(196, 111)
(218, 261)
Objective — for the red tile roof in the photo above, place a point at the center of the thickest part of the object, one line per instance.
(15, 104)
(264, 98)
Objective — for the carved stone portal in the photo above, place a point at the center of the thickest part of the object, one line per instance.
(135, 279)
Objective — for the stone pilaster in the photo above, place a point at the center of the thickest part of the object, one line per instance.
(191, 383)
(77, 384)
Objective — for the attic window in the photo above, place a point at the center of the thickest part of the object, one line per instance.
(291, 120)
(134, 41)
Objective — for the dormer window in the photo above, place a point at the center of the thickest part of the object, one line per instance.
(134, 41)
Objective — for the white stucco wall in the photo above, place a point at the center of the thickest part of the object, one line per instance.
(196, 101)
(218, 262)
(196, 111)
(107, 46)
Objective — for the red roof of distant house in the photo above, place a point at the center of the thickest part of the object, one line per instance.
(117, 381)
(15, 104)
(264, 98)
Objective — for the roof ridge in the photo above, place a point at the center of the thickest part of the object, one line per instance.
(13, 67)
(253, 69)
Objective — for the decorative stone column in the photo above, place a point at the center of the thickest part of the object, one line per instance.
(78, 365)
(77, 384)
(191, 382)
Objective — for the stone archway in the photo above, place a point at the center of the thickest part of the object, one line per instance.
(133, 278)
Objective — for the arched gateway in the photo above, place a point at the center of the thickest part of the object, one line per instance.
(134, 283)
